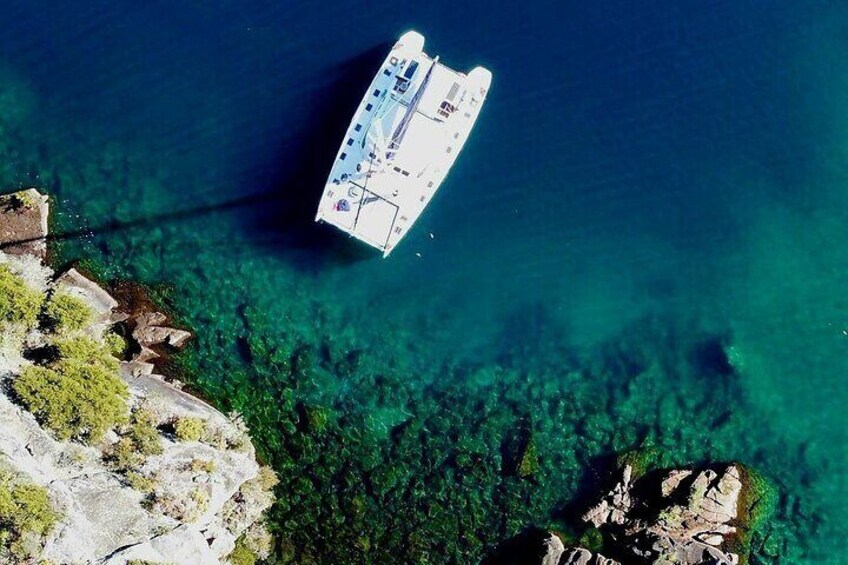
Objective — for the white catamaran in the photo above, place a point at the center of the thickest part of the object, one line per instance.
(400, 145)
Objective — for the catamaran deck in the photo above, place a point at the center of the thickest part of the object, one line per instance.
(403, 139)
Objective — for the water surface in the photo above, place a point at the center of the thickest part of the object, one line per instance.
(681, 163)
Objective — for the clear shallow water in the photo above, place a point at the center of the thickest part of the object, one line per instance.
(683, 163)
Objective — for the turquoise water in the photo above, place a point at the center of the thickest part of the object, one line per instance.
(652, 193)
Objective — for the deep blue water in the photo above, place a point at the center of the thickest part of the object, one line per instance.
(682, 157)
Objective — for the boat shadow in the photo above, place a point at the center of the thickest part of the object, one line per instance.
(284, 222)
(279, 217)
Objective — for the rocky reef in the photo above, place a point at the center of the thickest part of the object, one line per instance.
(121, 465)
(684, 516)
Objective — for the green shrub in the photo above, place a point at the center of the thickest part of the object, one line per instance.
(267, 478)
(141, 483)
(79, 395)
(117, 344)
(19, 303)
(86, 350)
(258, 540)
(202, 466)
(144, 433)
(66, 312)
(188, 428)
(139, 440)
(199, 498)
(242, 555)
(124, 455)
(25, 514)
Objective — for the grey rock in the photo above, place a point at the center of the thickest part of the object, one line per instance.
(553, 548)
(613, 508)
(673, 480)
(581, 556)
(149, 331)
(23, 223)
(691, 529)
(97, 298)
(184, 545)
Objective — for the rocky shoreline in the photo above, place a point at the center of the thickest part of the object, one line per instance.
(171, 480)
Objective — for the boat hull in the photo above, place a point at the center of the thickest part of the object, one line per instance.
(403, 139)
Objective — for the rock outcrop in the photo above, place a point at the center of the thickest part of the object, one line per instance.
(667, 517)
(679, 516)
(23, 229)
(581, 556)
(613, 508)
(186, 502)
(148, 330)
(554, 552)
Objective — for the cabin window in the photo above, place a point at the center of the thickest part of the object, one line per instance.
(387, 72)
(368, 107)
(350, 141)
(449, 149)
(397, 169)
(410, 70)
(397, 229)
(429, 185)
(456, 135)
(358, 127)
(377, 92)
(342, 156)
(405, 173)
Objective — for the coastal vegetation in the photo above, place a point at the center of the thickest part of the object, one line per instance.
(74, 388)
(139, 440)
(67, 313)
(77, 393)
(26, 517)
(62, 362)
(188, 428)
(20, 304)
